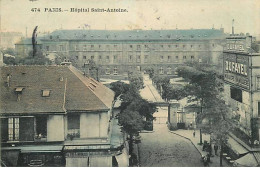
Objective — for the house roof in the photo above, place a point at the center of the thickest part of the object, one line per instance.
(135, 34)
(69, 90)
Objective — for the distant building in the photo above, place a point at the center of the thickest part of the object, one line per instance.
(8, 39)
(55, 116)
(241, 61)
(117, 52)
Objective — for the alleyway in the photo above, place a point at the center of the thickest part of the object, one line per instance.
(162, 148)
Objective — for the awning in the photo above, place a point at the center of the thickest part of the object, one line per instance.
(36, 148)
(248, 161)
(236, 147)
(10, 157)
(123, 159)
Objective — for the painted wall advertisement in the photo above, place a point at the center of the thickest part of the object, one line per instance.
(236, 69)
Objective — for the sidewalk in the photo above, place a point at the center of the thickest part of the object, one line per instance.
(188, 134)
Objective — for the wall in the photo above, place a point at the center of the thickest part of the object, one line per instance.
(93, 125)
(55, 128)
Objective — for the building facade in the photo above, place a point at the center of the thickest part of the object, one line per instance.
(117, 52)
(55, 116)
(242, 85)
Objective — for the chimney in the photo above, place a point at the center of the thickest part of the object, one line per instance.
(233, 32)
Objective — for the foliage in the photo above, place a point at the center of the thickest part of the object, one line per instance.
(162, 84)
(38, 59)
(119, 88)
(176, 93)
(136, 80)
(131, 121)
(60, 58)
(134, 110)
(150, 71)
(9, 51)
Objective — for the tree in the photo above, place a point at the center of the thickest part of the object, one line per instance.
(38, 59)
(206, 88)
(119, 88)
(136, 80)
(150, 71)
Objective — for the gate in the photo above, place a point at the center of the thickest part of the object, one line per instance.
(160, 120)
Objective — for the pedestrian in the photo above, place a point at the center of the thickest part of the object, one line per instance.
(210, 149)
(194, 133)
(216, 149)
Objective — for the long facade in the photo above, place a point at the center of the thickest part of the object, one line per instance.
(117, 52)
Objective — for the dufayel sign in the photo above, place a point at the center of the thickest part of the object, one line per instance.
(236, 69)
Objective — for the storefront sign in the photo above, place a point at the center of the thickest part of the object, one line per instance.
(236, 47)
(236, 69)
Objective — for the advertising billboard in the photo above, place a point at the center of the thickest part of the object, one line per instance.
(236, 69)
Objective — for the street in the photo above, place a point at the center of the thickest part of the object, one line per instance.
(162, 148)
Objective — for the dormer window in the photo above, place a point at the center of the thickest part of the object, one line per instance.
(19, 91)
(45, 93)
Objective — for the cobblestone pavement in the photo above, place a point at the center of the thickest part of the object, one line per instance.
(164, 149)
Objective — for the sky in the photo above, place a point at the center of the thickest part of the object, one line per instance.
(16, 15)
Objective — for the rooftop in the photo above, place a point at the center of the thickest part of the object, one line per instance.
(50, 89)
(135, 34)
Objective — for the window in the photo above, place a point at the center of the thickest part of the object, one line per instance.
(107, 70)
(169, 59)
(169, 46)
(77, 57)
(47, 48)
(45, 93)
(61, 48)
(258, 83)
(74, 125)
(161, 70)
(213, 45)
(184, 57)
(115, 58)
(41, 126)
(138, 47)
(92, 57)
(176, 46)
(92, 46)
(146, 58)
(183, 46)
(100, 58)
(258, 109)
(161, 46)
(115, 70)
(99, 46)
(177, 58)
(13, 129)
(161, 59)
(236, 94)
(145, 46)
(107, 59)
(84, 47)
(169, 70)
(76, 47)
(199, 46)
(131, 46)
(130, 59)
(4, 129)
(191, 46)
(138, 60)
(84, 57)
